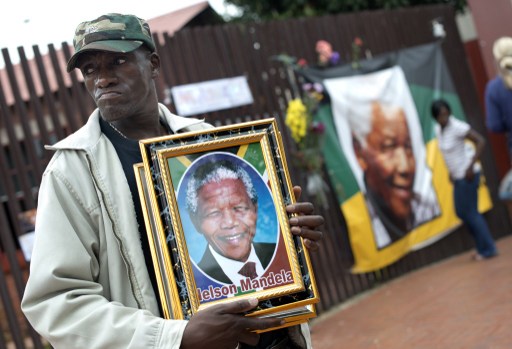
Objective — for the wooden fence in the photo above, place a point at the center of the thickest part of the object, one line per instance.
(40, 103)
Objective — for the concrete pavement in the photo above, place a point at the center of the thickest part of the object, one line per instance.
(454, 304)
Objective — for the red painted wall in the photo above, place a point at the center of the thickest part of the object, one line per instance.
(493, 19)
(497, 141)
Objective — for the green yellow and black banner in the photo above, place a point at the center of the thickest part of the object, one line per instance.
(382, 156)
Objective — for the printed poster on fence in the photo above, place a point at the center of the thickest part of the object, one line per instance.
(382, 155)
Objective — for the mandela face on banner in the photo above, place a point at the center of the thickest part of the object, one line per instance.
(379, 130)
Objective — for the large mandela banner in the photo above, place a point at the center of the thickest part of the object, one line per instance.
(382, 155)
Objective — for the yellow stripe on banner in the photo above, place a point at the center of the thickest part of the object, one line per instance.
(366, 255)
(242, 150)
(484, 196)
(184, 160)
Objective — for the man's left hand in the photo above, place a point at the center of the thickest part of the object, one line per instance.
(304, 223)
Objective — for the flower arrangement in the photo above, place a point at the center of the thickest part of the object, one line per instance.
(306, 131)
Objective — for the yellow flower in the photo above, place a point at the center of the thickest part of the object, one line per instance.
(297, 119)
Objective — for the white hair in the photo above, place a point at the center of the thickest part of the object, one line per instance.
(360, 119)
(215, 172)
(360, 122)
(502, 48)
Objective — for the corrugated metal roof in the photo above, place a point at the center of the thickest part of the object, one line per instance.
(176, 20)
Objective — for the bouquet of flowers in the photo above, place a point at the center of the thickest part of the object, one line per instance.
(306, 131)
(308, 134)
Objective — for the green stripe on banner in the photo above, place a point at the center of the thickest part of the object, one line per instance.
(252, 153)
(423, 98)
(342, 179)
(254, 156)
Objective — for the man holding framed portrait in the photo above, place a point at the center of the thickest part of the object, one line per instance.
(91, 279)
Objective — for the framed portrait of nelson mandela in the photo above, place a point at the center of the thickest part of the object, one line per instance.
(214, 204)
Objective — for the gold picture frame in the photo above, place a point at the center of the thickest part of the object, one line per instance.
(188, 278)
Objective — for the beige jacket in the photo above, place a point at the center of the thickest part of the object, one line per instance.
(88, 285)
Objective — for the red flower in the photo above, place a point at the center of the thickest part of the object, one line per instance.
(358, 41)
(317, 127)
(302, 62)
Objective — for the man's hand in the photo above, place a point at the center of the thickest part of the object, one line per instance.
(223, 326)
(304, 223)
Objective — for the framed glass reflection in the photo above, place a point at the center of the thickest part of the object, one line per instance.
(217, 201)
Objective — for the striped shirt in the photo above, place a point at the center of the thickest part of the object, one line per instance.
(457, 153)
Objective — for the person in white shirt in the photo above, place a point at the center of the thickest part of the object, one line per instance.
(464, 171)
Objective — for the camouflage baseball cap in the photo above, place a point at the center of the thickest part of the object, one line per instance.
(112, 32)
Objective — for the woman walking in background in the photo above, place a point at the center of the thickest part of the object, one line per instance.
(464, 173)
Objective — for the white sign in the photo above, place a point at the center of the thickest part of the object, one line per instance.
(211, 95)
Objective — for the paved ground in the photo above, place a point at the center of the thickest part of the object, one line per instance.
(455, 304)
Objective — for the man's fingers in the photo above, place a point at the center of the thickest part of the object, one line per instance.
(311, 245)
(256, 323)
(224, 325)
(311, 221)
(297, 192)
(311, 237)
(238, 306)
(306, 233)
(300, 208)
(304, 223)
(247, 322)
